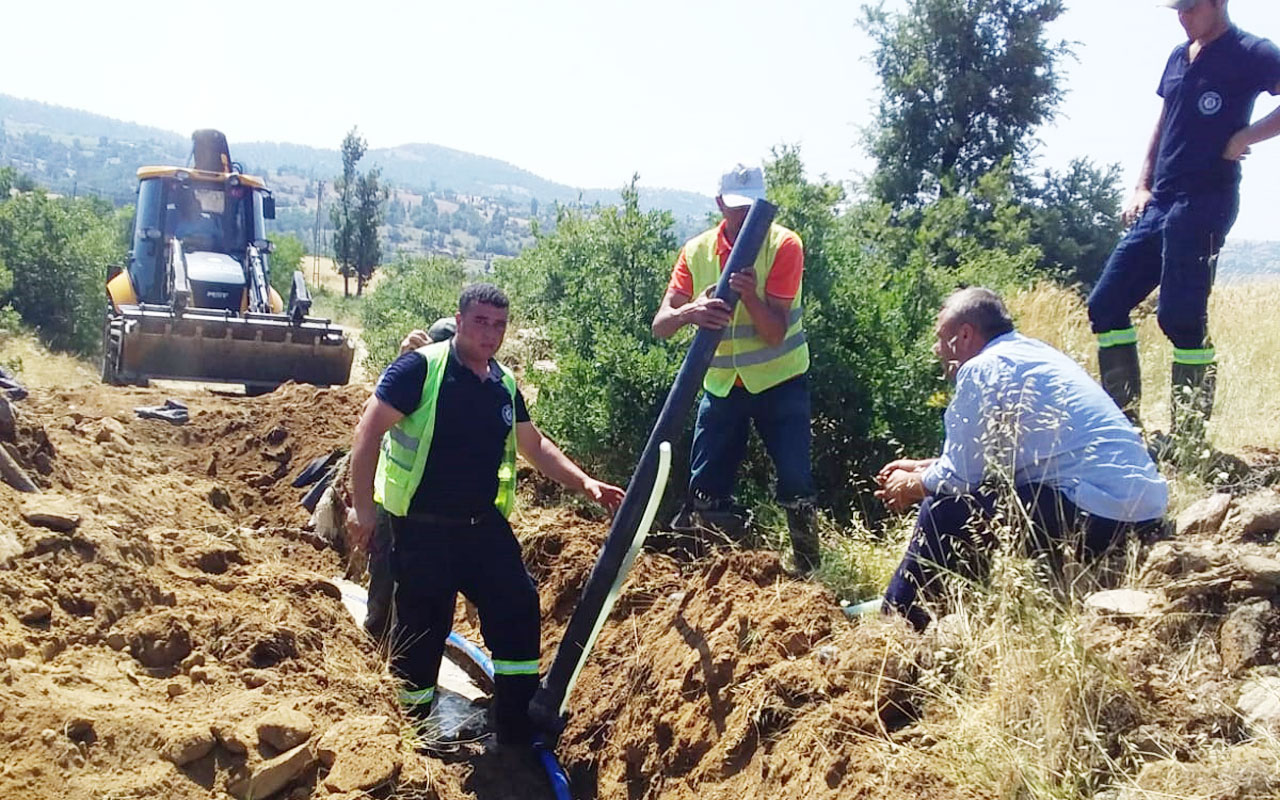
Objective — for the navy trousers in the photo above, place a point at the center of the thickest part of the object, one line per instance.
(1173, 245)
(432, 563)
(953, 537)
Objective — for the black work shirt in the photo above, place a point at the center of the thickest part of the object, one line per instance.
(473, 418)
(1206, 102)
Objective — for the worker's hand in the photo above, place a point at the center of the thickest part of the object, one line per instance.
(360, 523)
(901, 490)
(744, 282)
(706, 312)
(907, 464)
(415, 339)
(1237, 147)
(606, 494)
(1136, 205)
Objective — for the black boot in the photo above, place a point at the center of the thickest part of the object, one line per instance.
(1191, 404)
(802, 522)
(1122, 378)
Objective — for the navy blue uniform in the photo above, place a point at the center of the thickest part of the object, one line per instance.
(1175, 243)
(454, 540)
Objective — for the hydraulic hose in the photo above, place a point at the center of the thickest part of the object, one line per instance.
(552, 697)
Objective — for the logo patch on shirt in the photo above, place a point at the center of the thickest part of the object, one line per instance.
(1210, 103)
(508, 414)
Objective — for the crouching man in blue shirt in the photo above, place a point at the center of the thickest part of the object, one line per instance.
(1023, 416)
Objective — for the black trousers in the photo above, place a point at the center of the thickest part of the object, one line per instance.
(431, 564)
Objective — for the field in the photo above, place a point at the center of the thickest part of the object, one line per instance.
(165, 611)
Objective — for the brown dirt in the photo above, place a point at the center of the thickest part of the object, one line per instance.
(190, 601)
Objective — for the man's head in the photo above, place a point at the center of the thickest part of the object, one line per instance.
(1199, 18)
(739, 187)
(481, 320)
(969, 319)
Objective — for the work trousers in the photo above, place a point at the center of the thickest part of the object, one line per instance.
(1173, 245)
(781, 416)
(431, 564)
(953, 537)
(377, 620)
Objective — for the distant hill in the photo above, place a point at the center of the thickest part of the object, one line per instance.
(1249, 259)
(68, 148)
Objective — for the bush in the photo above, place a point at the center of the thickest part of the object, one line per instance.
(414, 292)
(58, 251)
(286, 258)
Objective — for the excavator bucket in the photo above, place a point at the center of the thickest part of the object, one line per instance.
(258, 350)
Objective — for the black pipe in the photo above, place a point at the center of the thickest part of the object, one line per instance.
(545, 708)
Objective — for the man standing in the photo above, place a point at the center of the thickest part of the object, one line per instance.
(1182, 208)
(1026, 417)
(758, 372)
(443, 430)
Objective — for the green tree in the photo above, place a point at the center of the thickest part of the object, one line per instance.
(965, 83)
(415, 292)
(286, 257)
(370, 200)
(343, 214)
(1075, 219)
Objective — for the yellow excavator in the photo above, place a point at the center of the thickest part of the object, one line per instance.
(195, 300)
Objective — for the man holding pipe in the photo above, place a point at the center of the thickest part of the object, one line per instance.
(758, 372)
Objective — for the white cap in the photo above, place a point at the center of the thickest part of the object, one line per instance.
(741, 186)
(1180, 5)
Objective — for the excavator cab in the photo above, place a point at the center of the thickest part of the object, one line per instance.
(195, 300)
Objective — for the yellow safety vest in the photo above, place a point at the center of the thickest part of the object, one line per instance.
(742, 354)
(405, 447)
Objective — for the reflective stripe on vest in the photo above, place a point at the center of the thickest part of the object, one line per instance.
(403, 455)
(742, 354)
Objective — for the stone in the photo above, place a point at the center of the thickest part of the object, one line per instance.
(343, 734)
(1204, 517)
(160, 641)
(253, 678)
(188, 744)
(1242, 638)
(1238, 773)
(284, 728)
(1260, 570)
(175, 689)
(1122, 602)
(34, 612)
(1259, 705)
(51, 511)
(366, 764)
(236, 738)
(1254, 517)
(274, 774)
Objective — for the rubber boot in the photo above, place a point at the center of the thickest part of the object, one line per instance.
(802, 523)
(1122, 378)
(1191, 404)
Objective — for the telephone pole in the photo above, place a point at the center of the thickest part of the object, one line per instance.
(315, 249)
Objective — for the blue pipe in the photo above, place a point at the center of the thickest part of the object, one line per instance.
(555, 773)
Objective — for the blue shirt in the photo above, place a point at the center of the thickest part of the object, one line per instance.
(1206, 101)
(1025, 410)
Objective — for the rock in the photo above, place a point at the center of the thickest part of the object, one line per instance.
(253, 678)
(216, 558)
(34, 612)
(273, 774)
(1204, 517)
(12, 473)
(284, 728)
(1174, 559)
(116, 640)
(342, 735)
(51, 511)
(80, 729)
(1254, 517)
(236, 738)
(8, 421)
(220, 498)
(160, 641)
(187, 744)
(1243, 636)
(366, 764)
(1260, 570)
(10, 547)
(1122, 602)
(175, 689)
(110, 430)
(1259, 705)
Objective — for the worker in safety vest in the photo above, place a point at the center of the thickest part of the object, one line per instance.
(377, 618)
(758, 372)
(437, 449)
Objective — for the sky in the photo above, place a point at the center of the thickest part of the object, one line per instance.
(584, 93)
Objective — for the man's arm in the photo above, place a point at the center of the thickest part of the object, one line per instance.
(548, 459)
(377, 419)
(1240, 144)
(769, 314)
(678, 310)
(1142, 191)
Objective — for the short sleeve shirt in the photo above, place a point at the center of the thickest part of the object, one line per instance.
(1207, 101)
(473, 418)
(784, 276)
